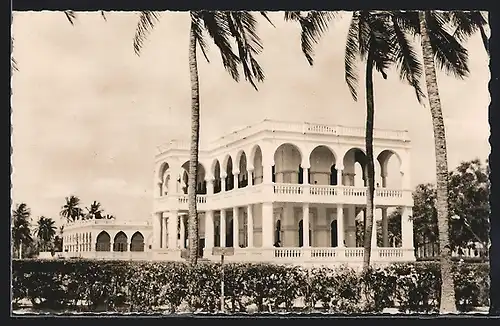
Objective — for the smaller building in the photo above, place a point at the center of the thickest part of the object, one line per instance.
(107, 239)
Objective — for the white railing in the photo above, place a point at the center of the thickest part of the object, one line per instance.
(390, 253)
(298, 127)
(288, 189)
(287, 252)
(324, 252)
(200, 199)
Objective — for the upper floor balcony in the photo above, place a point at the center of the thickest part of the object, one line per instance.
(286, 162)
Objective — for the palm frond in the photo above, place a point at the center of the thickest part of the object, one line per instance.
(407, 61)
(450, 55)
(313, 26)
(467, 23)
(364, 33)
(103, 15)
(351, 56)
(71, 16)
(147, 21)
(197, 28)
(243, 27)
(264, 14)
(217, 27)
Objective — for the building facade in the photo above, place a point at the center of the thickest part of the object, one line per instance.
(107, 239)
(284, 192)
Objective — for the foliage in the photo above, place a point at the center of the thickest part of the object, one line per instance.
(21, 232)
(468, 198)
(175, 286)
(45, 231)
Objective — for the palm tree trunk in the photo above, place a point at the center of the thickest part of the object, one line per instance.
(370, 112)
(21, 249)
(193, 156)
(447, 304)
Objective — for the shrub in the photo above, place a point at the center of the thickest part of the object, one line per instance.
(173, 286)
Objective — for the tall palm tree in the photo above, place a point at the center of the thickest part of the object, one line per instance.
(21, 232)
(45, 231)
(94, 211)
(223, 28)
(374, 39)
(71, 211)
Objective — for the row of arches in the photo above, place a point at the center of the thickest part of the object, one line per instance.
(120, 242)
(321, 167)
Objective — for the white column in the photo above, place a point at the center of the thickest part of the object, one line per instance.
(172, 229)
(305, 174)
(250, 225)
(209, 229)
(163, 231)
(222, 228)
(182, 232)
(267, 225)
(210, 186)
(406, 228)
(250, 177)
(236, 228)
(223, 182)
(339, 175)
(305, 225)
(385, 228)
(235, 179)
(157, 231)
(267, 173)
(374, 229)
(340, 225)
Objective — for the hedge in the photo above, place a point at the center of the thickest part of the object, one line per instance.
(176, 286)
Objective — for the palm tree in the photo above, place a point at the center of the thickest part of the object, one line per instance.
(45, 231)
(71, 211)
(94, 211)
(223, 28)
(21, 233)
(468, 23)
(374, 39)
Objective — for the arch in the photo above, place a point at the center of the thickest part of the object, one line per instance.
(301, 231)
(287, 164)
(201, 186)
(334, 241)
(258, 165)
(383, 158)
(103, 242)
(242, 167)
(323, 162)
(120, 242)
(351, 157)
(162, 168)
(137, 242)
(217, 176)
(229, 167)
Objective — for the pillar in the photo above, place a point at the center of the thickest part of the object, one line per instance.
(339, 175)
(164, 230)
(236, 228)
(222, 228)
(267, 173)
(374, 229)
(305, 225)
(182, 232)
(340, 225)
(385, 227)
(250, 226)
(250, 177)
(407, 228)
(223, 182)
(157, 225)
(210, 186)
(305, 173)
(235, 179)
(383, 176)
(209, 229)
(172, 229)
(267, 225)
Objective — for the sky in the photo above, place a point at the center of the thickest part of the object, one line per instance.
(88, 114)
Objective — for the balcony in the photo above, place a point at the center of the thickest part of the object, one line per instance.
(283, 192)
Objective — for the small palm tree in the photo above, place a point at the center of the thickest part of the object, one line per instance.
(94, 211)
(71, 211)
(21, 232)
(224, 28)
(45, 231)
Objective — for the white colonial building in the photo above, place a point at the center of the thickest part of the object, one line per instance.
(107, 239)
(284, 192)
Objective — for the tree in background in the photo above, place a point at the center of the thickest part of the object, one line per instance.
(21, 232)
(71, 210)
(45, 232)
(94, 211)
